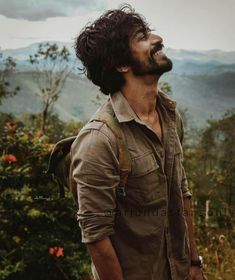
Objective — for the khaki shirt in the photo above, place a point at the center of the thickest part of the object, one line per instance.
(147, 227)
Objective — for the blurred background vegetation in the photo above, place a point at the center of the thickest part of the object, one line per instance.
(39, 234)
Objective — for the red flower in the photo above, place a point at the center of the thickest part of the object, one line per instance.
(10, 158)
(56, 251)
(51, 251)
(60, 252)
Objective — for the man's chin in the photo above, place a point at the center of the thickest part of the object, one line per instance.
(169, 66)
(161, 70)
(166, 67)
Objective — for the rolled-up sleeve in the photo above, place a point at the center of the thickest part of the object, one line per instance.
(184, 185)
(96, 173)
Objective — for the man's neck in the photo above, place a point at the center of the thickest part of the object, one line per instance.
(141, 93)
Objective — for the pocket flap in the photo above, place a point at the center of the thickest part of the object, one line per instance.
(144, 164)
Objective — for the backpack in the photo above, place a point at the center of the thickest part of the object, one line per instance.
(60, 168)
(59, 165)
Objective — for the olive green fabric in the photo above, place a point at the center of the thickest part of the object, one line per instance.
(123, 153)
(146, 224)
(60, 160)
(59, 163)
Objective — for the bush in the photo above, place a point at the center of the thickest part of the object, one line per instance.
(39, 234)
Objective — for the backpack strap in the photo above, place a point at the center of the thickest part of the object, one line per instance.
(59, 163)
(123, 153)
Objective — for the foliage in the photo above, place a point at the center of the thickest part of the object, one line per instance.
(35, 224)
(218, 253)
(210, 166)
(54, 66)
(39, 235)
(56, 128)
(165, 87)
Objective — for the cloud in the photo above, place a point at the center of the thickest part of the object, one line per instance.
(35, 10)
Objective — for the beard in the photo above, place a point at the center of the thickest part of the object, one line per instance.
(152, 67)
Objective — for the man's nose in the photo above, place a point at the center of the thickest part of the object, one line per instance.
(155, 38)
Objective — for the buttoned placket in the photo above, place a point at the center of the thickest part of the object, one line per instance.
(166, 147)
(169, 145)
(164, 151)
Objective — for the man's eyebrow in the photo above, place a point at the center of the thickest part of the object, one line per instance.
(139, 30)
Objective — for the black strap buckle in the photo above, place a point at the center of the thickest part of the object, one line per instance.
(121, 191)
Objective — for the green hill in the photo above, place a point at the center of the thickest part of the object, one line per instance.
(77, 100)
(205, 96)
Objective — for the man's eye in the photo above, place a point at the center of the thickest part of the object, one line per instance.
(143, 36)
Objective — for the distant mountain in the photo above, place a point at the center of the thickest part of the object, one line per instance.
(183, 67)
(205, 96)
(185, 61)
(210, 56)
(77, 101)
(22, 54)
(217, 56)
(202, 81)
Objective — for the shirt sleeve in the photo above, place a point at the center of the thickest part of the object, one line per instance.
(96, 173)
(184, 183)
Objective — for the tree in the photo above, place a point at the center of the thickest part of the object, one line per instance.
(211, 166)
(9, 66)
(52, 69)
(165, 87)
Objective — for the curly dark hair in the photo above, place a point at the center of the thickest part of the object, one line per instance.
(104, 45)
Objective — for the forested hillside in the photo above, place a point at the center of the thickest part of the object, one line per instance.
(201, 82)
(39, 235)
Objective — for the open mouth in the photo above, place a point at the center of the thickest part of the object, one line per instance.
(157, 50)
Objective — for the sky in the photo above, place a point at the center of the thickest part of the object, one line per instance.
(183, 24)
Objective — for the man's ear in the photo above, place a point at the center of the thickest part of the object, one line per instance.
(123, 69)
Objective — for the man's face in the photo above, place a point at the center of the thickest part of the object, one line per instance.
(147, 55)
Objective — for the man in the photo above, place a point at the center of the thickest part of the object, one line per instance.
(147, 235)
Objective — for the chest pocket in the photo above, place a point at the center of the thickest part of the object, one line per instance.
(144, 182)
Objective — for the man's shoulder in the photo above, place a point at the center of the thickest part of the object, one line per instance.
(98, 121)
(98, 126)
(94, 137)
(97, 131)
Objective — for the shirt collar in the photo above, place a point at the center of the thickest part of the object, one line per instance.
(166, 101)
(125, 113)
